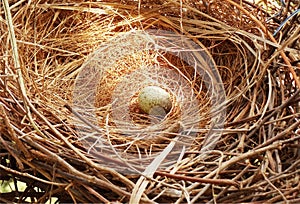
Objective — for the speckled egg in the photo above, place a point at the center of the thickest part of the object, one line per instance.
(154, 100)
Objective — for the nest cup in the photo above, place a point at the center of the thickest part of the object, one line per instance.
(140, 59)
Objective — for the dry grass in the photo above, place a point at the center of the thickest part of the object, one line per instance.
(256, 159)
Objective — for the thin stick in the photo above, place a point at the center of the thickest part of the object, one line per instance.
(30, 176)
(17, 64)
(283, 55)
(198, 180)
(13, 134)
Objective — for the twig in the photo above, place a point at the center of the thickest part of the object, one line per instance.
(17, 64)
(278, 136)
(221, 182)
(95, 193)
(6, 146)
(30, 176)
(276, 110)
(244, 156)
(74, 171)
(273, 186)
(289, 192)
(283, 55)
(13, 135)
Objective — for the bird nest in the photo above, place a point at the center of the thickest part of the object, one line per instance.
(72, 129)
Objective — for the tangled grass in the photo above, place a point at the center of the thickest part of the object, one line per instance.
(43, 48)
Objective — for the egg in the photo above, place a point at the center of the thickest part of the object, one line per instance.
(154, 100)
